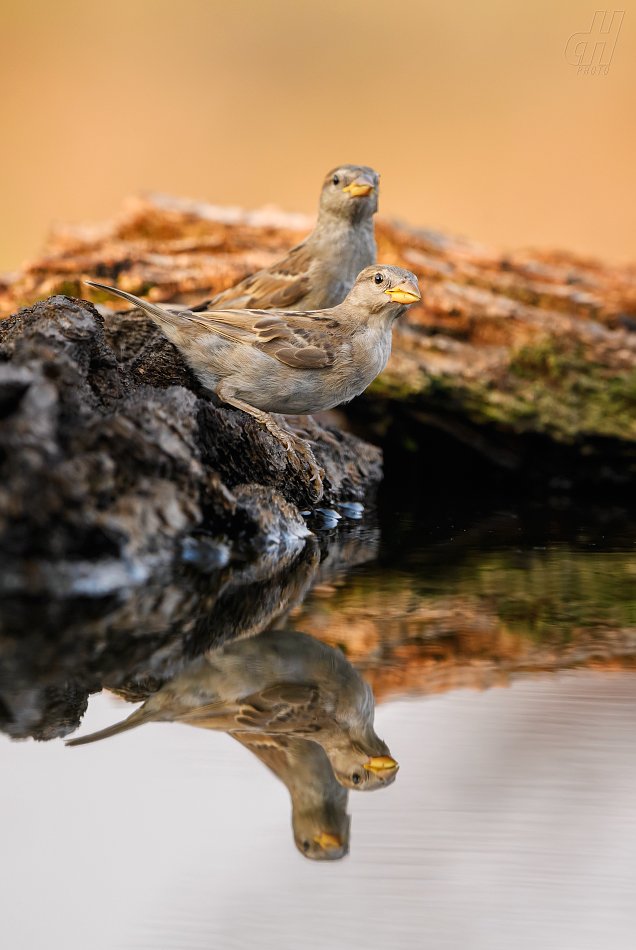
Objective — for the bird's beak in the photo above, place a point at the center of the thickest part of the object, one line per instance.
(381, 763)
(406, 292)
(363, 185)
(329, 842)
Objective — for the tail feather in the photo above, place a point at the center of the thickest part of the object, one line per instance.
(138, 717)
(163, 316)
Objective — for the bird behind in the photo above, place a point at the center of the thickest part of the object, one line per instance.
(319, 803)
(320, 271)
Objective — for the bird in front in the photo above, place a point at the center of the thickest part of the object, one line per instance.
(279, 683)
(289, 362)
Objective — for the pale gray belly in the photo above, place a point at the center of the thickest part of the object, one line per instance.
(267, 384)
(299, 392)
(304, 392)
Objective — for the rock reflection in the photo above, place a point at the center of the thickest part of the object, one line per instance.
(55, 653)
(197, 639)
(280, 683)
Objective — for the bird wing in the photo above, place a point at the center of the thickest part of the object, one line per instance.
(280, 286)
(298, 339)
(273, 751)
(286, 708)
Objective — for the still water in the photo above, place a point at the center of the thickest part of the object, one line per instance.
(500, 645)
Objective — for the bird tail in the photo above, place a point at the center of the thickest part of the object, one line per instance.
(138, 717)
(165, 318)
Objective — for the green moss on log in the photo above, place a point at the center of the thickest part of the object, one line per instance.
(549, 388)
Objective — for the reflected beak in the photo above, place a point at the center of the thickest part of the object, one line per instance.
(406, 292)
(362, 186)
(329, 842)
(382, 763)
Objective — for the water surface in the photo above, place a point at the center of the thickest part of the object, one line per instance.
(512, 820)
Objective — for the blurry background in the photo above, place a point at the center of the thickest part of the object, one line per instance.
(467, 108)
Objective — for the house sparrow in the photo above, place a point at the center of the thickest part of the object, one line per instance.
(279, 683)
(319, 803)
(284, 362)
(321, 270)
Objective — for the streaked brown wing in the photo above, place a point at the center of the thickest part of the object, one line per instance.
(260, 744)
(280, 286)
(294, 338)
(271, 750)
(286, 709)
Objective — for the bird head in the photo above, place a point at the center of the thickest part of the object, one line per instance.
(350, 192)
(364, 767)
(383, 292)
(322, 834)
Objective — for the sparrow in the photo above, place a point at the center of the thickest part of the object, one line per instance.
(321, 270)
(290, 362)
(319, 803)
(281, 683)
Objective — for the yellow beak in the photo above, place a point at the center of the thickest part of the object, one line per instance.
(406, 292)
(360, 187)
(381, 763)
(329, 842)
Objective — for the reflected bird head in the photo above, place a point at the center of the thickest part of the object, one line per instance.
(321, 839)
(364, 769)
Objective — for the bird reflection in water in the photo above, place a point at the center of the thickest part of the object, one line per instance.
(319, 803)
(301, 707)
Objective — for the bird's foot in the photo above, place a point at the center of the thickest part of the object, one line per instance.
(296, 447)
(302, 448)
(316, 432)
(316, 473)
(288, 441)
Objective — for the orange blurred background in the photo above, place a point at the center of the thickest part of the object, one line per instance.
(467, 108)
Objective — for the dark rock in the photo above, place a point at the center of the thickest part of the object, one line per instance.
(111, 453)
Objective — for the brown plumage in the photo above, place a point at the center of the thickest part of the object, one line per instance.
(322, 269)
(290, 362)
(292, 339)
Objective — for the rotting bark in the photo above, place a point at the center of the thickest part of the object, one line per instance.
(112, 455)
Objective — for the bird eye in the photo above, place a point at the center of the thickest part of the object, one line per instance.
(336, 180)
(379, 278)
(355, 778)
(305, 846)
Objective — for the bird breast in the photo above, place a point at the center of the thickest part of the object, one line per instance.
(267, 384)
(340, 253)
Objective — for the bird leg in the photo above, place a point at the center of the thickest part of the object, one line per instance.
(309, 425)
(293, 444)
(317, 473)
